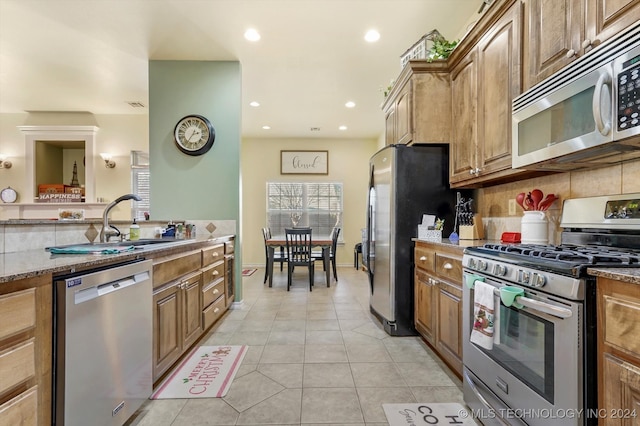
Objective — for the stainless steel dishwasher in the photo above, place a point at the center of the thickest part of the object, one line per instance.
(102, 344)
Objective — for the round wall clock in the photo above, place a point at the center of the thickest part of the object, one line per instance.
(8, 195)
(194, 135)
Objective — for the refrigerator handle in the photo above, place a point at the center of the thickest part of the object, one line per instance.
(366, 256)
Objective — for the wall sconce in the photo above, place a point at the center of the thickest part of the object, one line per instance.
(4, 163)
(108, 162)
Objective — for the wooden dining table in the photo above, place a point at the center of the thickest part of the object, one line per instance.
(324, 242)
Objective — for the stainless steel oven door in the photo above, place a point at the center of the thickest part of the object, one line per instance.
(574, 117)
(536, 360)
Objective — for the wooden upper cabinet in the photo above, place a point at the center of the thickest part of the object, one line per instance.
(499, 81)
(463, 148)
(417, 108)
(483, 84)
(555, 34)
(404, 119)
(560, 31)
(605, 18)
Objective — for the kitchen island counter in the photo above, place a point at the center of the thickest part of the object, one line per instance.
(33, 263)
(628, 275)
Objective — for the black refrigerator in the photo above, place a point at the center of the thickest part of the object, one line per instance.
(405, 182)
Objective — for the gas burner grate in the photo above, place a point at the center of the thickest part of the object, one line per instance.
(574, 254)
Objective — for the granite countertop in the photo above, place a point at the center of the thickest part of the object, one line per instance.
(460, 243)
(628, 275)
(31, 263)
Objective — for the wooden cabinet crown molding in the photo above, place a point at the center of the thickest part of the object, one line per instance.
(473, 36)
(412, 67)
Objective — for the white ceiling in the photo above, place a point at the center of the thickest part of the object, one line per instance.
(92, 55)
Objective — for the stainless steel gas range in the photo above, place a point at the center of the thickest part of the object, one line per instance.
(539, 364)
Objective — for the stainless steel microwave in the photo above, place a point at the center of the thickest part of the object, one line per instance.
(587, 114)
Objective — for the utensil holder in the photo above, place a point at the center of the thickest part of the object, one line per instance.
(534, 227)
(472, 232)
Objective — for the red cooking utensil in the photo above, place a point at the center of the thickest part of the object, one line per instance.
(547, 202)
(536, 197)
(528, 202)
(520, 200)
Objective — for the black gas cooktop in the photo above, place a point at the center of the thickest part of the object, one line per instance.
(567, 259)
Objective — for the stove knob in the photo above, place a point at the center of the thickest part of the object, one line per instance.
(482, 265)
(499, 270)
(472, 264)
(538, 280)
(523, 277)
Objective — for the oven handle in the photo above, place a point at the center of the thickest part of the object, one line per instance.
(482, 399)
(546, 308)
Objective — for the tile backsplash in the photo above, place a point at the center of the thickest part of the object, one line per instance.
(15, 237)
(493, 201)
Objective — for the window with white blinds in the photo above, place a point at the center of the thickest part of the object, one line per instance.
(140, 184)
(317, 205)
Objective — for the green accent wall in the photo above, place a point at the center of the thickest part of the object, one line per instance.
(195, 187)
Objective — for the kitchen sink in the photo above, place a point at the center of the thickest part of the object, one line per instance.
(117, 245)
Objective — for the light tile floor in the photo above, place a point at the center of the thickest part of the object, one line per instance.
(315, 357)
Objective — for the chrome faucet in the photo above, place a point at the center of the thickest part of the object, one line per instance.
(107, 230)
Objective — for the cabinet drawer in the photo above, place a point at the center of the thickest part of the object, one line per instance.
(170, 268)
(21, 410)
(212, 292)
(449, 267)
(213, 312)
(425, 258)
(212, 254)
(17, 365)
(17, 312)
(620, 322)
(213, 272)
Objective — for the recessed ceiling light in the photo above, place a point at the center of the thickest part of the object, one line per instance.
(372, 36)
(350, 104)
(252, 34)
(342, 128)
(314, 129)
(266, 127)
(254, 104)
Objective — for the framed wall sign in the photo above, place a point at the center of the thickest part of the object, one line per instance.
(304, 162)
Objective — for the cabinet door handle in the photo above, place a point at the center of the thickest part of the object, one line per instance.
(215, 254)
(216, 291)
(586, 43)
(447, 266)
(570, 53)
(216, 310)
(423, 258)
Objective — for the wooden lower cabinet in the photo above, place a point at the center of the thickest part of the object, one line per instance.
(425, 305)
(449, 336)
(618, 352)
(177, 320)
(26, 341)
(438, 300)
(189, 297)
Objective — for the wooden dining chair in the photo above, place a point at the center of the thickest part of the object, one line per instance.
(319, 256)
(299, 253)
(279, 255)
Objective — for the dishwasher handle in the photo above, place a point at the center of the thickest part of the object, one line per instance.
(94, 292)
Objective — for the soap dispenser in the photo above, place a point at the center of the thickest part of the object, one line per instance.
(134, 231)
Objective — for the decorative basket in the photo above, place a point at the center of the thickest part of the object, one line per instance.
(420, 49)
